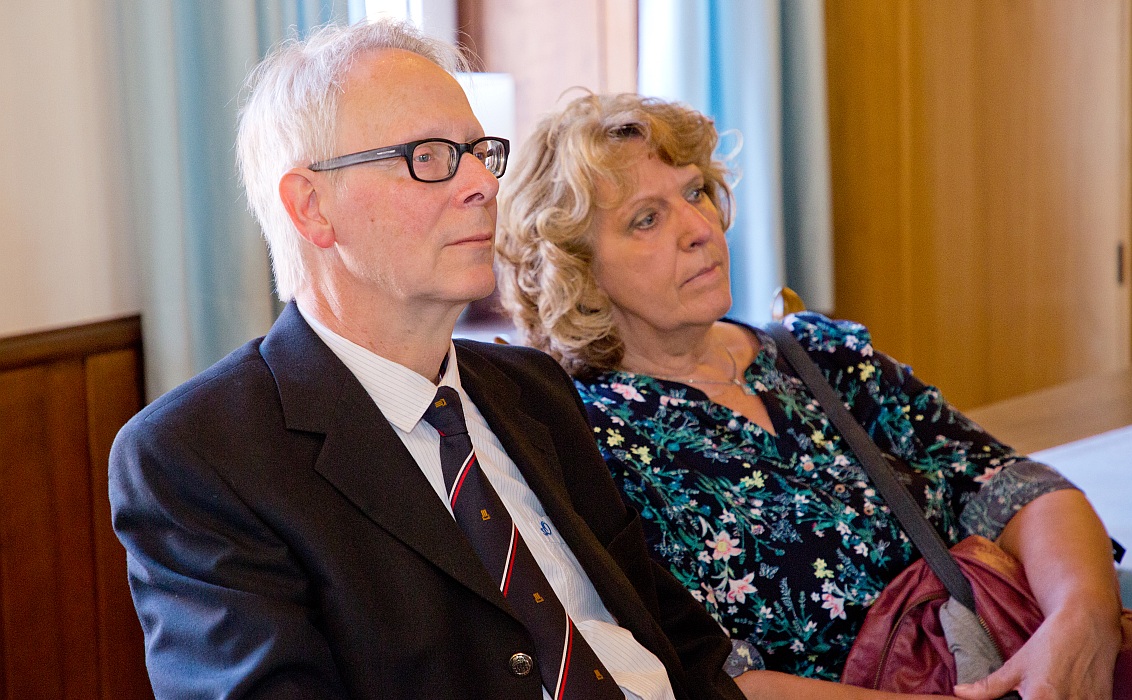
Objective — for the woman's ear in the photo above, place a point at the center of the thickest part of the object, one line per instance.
(303, 201)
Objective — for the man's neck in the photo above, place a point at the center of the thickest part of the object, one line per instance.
(415, 338)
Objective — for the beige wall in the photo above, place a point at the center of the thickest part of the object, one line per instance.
(65, 255)
(551, 47)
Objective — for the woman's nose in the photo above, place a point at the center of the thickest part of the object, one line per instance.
(696, 228)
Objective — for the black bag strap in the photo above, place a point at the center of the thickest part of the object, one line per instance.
(923, 535)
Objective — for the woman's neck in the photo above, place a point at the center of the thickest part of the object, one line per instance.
(695, 353)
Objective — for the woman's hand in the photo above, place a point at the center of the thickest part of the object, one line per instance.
(1070, 657)
(1067, 557)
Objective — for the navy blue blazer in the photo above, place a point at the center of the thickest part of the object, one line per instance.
(282, 543)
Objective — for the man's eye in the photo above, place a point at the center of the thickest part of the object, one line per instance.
(422, 157)
(481, 155)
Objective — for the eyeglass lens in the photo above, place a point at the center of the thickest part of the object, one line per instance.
(437, 160)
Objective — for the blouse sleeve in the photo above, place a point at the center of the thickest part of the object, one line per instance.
(990, 481)
(986, 481)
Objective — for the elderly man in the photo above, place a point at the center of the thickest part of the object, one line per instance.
(354, 505)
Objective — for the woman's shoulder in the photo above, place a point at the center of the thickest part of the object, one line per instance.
(844, 349)
(829, 342)
(817, 333)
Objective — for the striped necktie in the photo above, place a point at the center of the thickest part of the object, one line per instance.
(569, 668)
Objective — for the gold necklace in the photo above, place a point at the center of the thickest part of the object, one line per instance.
(733, 380)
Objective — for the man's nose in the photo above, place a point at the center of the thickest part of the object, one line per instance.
(476, 179)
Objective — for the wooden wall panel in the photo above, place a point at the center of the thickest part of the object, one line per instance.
(45, 535)
(944, 237)
(980, 182)
(867, 118)
(67, 625)
(111, 400)
(1056, 184)
(26, 561)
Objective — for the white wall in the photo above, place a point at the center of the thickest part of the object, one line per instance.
(65, 256)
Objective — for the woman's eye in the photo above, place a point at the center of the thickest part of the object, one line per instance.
(645, 222)
(697, 194)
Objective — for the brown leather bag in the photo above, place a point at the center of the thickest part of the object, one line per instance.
(901, 647)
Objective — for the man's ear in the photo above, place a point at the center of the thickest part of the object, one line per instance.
(303, 201)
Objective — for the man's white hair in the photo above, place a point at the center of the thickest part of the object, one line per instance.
(290, 119)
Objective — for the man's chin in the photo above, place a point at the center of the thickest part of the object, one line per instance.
(476, 289)
(488, 290)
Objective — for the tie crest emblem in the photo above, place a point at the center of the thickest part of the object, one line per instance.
(440, 403)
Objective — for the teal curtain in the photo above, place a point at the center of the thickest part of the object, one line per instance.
(807, 210)
(205, 276)
(757, 67)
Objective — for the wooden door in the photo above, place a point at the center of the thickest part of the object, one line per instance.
(980, 170)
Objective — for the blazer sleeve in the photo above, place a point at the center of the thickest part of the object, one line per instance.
(224, 608)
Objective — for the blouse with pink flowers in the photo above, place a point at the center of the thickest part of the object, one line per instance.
(781, 536)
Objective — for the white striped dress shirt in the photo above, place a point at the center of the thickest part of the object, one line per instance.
(403, 396)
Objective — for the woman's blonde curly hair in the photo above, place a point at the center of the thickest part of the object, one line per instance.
(544, 242)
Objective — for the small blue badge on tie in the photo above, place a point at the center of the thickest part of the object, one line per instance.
(545, 527)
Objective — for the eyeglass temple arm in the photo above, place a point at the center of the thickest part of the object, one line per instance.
(355, 159)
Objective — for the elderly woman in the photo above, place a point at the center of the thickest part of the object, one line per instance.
(613, 260)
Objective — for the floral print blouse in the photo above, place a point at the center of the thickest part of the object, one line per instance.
(781, 536)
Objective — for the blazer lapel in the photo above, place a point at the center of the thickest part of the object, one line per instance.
(361, 456)
(527, 441)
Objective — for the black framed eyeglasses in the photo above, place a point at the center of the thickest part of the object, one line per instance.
(430, 160)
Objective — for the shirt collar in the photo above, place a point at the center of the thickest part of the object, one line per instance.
(401, 394)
